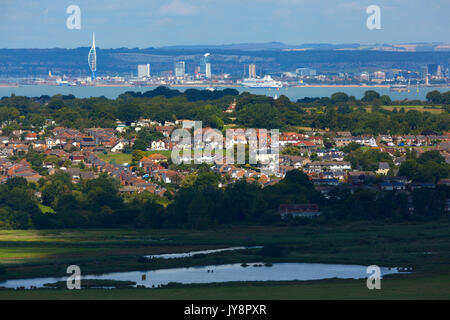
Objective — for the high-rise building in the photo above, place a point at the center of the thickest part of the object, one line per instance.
(180, 69)
(92, 59)
(204, 61)
(208, 70)
(439, 72)
(252, 71)
(143, 71)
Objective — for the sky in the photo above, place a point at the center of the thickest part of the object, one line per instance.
(156, 23)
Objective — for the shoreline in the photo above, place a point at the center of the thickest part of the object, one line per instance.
(222, 86)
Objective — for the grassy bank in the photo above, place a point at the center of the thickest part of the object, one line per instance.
(434, 286)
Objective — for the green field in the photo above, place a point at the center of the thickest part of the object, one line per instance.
(435, 286)
(121, 158)
(423, 246)
(433, 110)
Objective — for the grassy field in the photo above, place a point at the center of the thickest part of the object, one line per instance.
(121, 158)
(435, 286)
(34, 253)
(434, 110)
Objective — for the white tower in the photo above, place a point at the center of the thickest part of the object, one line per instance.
(92, 59)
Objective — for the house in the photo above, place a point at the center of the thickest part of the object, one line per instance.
(326, 182)
(359, 177)
(31, 136)
(287, 138)
(365, 141)
(317, 140)
(159, 145)
(305, 144)
(74, 173)
(321, 166)
(298, 210)
(232, 107)
(165, 130)
(383, 168)
(419, 185)
(391, 185)
(156, 157)
(399, 160)
(342, 141)
(151, 162)
(119, 146)
(76, 157)
(128, 189)
(170, 176)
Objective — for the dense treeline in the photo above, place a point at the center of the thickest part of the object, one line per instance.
(339, 112)
(200, 203)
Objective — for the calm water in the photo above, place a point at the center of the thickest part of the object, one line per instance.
(292, 93)
(221, 273)
(193, 253)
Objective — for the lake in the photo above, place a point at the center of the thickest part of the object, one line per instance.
(293, 93)
(221, 273)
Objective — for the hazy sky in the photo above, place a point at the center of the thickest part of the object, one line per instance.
(154, 23)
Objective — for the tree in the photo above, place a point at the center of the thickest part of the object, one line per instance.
(137, 155)
(129, 112)
(434, 96)
(339, 97)
(370, 96)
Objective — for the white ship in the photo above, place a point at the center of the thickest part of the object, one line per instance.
(266, 82)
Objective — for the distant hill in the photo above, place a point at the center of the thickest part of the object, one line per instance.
(277, 46)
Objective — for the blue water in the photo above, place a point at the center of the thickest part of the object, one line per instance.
(293, 93)
(221, 273)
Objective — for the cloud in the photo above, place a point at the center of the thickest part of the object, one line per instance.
(176, 7)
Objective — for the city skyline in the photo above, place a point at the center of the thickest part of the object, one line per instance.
(42, 24)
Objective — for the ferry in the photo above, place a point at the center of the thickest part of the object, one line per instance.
(399, 88)
(266, 82)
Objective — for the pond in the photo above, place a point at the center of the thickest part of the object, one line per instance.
(221, 273)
